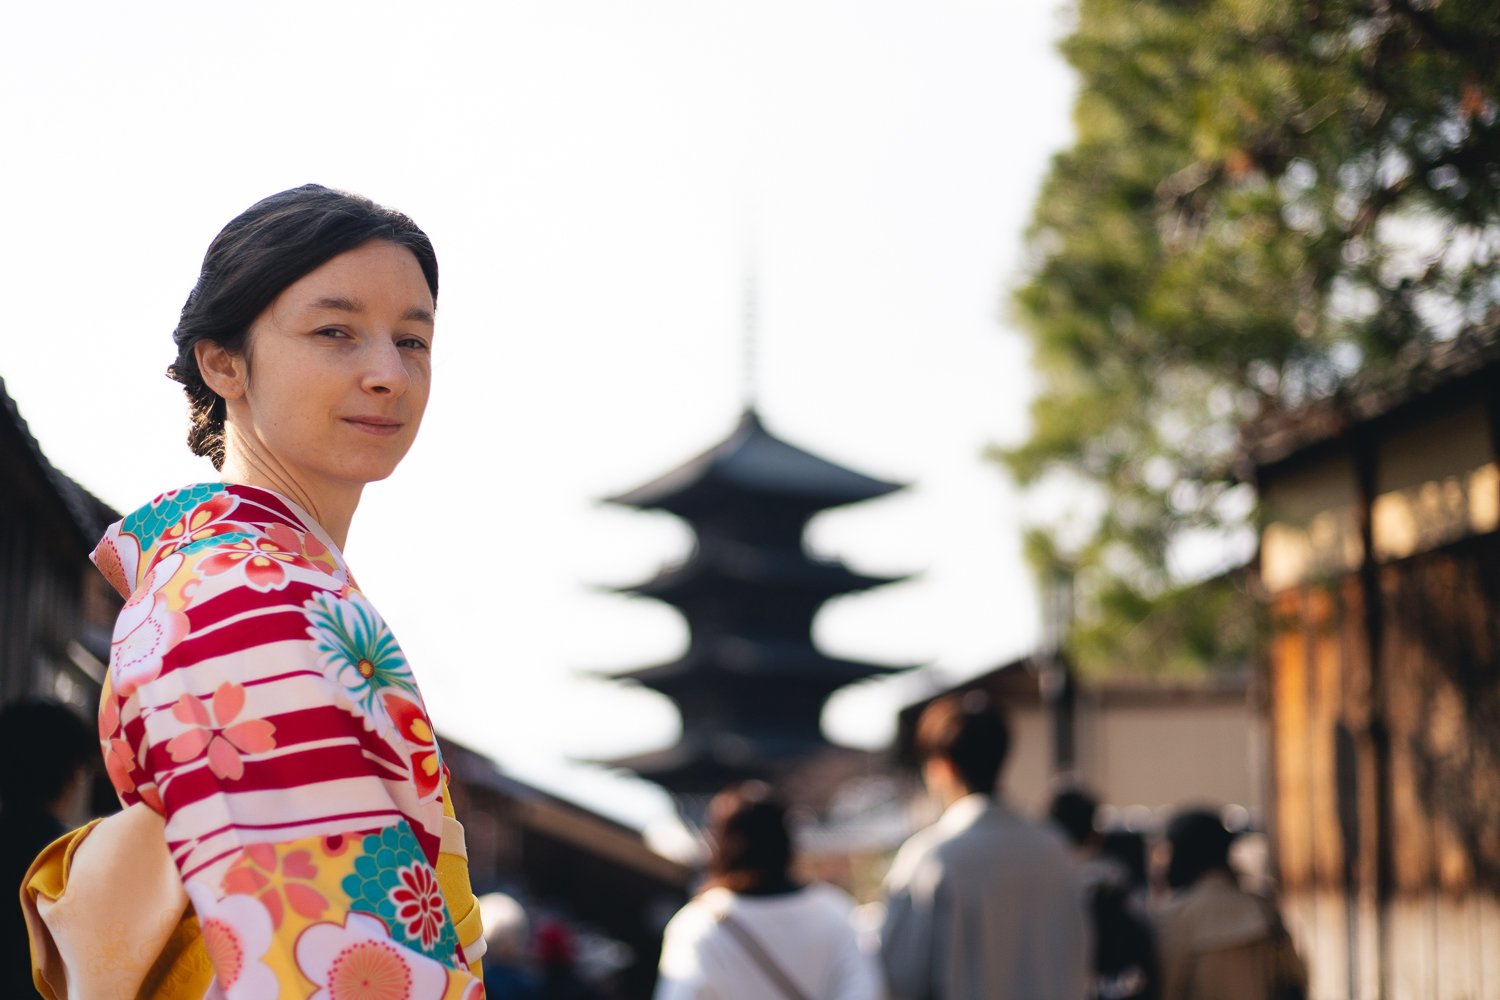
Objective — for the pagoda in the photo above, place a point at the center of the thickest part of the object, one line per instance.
(752, 685)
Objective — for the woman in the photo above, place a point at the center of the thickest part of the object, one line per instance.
(1217, 941)
(286, 830)
(754, 931)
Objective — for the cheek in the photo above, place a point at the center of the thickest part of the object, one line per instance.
(294, 401)
(419, 388)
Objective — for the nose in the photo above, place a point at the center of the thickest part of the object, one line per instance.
(385, 371)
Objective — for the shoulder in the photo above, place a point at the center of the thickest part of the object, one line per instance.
(698, 917)
(216, 537)
(1214, 912)
(824, 903)
(1019, 835)
(920, 857)
(212, 570)
(242, 537)
(828, 897)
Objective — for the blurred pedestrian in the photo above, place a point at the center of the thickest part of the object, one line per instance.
(1217, 941)
(1127, 848)
(50, 748)
(984, 903)
(557, 955)
(755, 932)
(507, 948)
(1124, 952)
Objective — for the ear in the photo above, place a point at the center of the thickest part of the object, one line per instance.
(223, 370)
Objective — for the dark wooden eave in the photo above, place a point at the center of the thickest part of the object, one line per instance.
(55, 500)
(755, 463)
(706, 761)
(724, 565)
(756, 658)
(1422, 378)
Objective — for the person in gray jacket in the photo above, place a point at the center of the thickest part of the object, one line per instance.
(984, 903)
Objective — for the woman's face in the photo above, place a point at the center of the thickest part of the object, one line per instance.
(339, 369)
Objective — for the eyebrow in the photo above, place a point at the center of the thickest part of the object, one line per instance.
(341, 303)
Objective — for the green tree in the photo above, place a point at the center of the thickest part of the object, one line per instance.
(1264, 201)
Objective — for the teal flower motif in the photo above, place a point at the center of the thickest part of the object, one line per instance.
(149, 522)
(215, 540)
(393, 882)
(358, 653)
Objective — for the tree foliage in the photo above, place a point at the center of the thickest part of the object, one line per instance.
(1265, 197)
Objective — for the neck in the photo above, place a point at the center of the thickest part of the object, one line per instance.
(331, 506)
(747, 884)
(957, 793)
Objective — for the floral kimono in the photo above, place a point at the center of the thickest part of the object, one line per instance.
(260, 714)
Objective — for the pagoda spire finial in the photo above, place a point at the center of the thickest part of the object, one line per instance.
(750, 318)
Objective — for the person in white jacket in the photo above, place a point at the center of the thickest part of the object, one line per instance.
(754, 932)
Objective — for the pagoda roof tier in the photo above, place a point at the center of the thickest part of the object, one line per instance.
(705, 762)
(782, 660)
(754, 462)
(728, 565)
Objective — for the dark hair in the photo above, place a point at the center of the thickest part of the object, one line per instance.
(749, 845)
(1200, 844)
(1128, 847)
(1073, 810)
(52, 741)
(968, 731)
(266, 248)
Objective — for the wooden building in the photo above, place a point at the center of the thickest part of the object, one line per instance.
(56, 611)
(1380, 558)
(1124, 738)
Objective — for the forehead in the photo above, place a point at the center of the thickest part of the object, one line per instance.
(372, 275)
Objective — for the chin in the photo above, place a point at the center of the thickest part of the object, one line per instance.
(372, 468)
(364, 473)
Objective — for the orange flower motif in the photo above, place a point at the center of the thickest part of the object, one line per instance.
(107, 558)
(265, 559)
(203, 521)
(260, 873)
(216, 733)
(426, 763)
(119, 759)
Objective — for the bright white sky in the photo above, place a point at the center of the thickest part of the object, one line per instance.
(590, 172)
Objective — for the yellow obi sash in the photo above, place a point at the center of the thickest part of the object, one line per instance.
(86, 941)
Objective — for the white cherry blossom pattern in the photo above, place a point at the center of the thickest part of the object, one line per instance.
(237, 934)
(146, 629)
(359, 961)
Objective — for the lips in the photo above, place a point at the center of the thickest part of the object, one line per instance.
(382, 426)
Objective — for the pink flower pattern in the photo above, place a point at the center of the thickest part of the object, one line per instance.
(216, 733)
(256, 874)
(265, 558)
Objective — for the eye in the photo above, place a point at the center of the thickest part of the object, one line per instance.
(414, 343)
(330, 331)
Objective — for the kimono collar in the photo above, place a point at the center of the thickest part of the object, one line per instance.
(182, 519)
